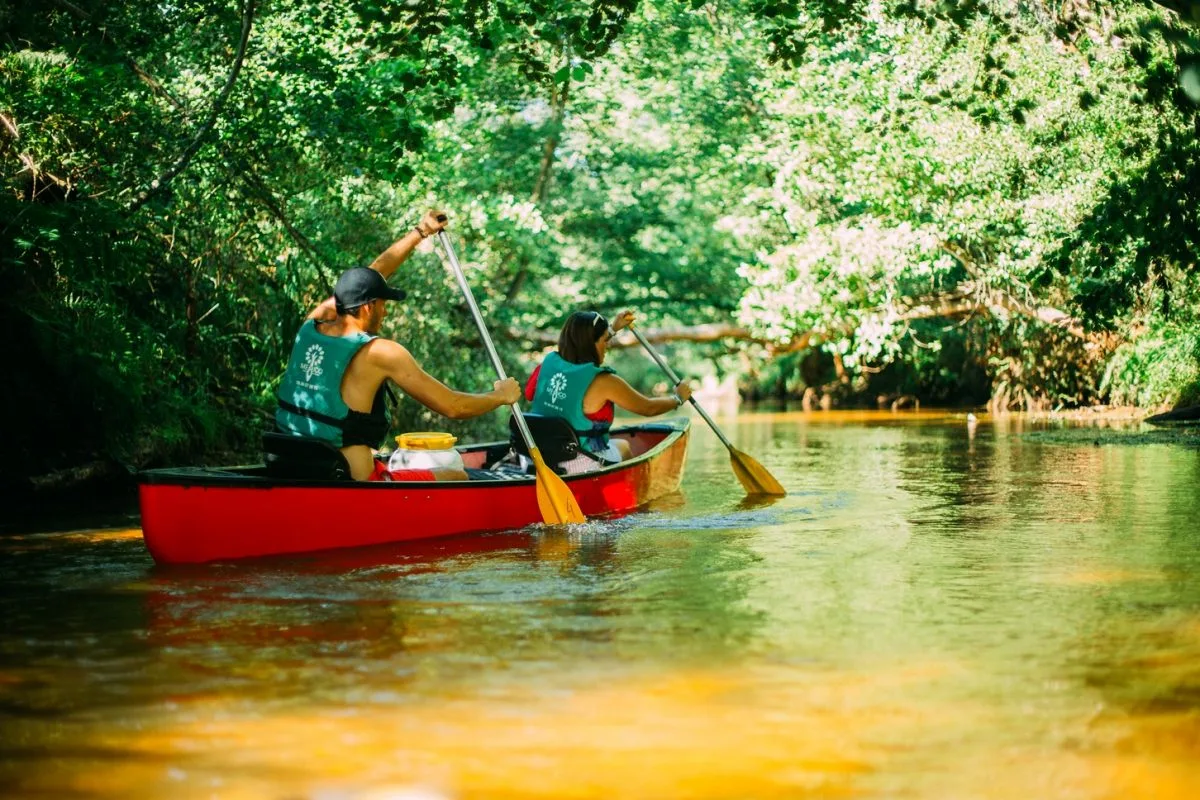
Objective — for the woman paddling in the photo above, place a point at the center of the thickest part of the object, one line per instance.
(571, 383)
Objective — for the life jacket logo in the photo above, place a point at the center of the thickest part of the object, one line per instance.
(312, 362)
(558, 388)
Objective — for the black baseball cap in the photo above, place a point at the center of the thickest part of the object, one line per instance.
(360, 285)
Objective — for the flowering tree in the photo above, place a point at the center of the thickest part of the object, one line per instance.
(935, 169)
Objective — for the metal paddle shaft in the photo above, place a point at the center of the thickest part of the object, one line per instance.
(483, 331)
(675, 382)
(555, 500)
(753, 476)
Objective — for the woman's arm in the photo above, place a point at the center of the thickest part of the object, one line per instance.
(613, 387)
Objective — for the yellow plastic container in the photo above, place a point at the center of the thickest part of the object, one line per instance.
(430, 450)
(426, 440)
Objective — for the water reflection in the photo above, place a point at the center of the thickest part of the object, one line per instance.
(935, 610)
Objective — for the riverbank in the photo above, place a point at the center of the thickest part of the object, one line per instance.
(107, 489)
(1098, 413)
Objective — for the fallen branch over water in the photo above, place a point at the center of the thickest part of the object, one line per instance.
(969, 299)
(79, 474)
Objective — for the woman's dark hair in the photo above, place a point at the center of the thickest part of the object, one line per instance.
(577, 342)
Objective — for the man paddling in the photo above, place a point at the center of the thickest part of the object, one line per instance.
(335, 381)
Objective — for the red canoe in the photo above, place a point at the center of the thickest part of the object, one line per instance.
(193, 515)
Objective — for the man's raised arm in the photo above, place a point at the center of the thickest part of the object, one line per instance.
(387, 262)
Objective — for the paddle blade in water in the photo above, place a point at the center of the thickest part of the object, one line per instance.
(753, 475)
(555, 501)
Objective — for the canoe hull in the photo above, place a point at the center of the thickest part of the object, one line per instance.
(196, 516)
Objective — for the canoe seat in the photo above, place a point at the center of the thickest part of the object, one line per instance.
(554, 436)
(290, 456)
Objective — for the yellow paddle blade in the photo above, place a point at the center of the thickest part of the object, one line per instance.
(753, 475)
(554, 498)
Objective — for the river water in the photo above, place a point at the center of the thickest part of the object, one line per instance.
(936, 610)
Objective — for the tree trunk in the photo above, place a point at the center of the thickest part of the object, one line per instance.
(996, 299)
(541, 188)
(190, 340)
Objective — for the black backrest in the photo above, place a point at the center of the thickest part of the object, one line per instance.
(554, 436)
(290, 456)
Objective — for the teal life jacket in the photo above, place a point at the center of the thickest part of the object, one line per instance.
(310, 396)
(561, 386)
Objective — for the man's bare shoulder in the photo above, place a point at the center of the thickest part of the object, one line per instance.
(386, 353)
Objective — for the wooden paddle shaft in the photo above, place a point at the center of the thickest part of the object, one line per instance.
(675, 382)
(483, 332)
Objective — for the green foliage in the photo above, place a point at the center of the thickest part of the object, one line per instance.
(1160, 367)
(914, 187)
(946, 365)
(971, 166)
(1158, 361)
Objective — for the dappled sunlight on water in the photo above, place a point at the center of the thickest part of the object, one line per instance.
(1082, 575)
(15, 543)
(753, 731)
(932, 612)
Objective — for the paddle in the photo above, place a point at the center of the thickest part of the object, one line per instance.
(555, 501)
(753, 475)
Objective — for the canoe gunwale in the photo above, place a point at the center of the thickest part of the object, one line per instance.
(239, 475)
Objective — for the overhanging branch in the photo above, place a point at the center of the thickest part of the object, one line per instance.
(967, 300)
(160, 183)
(995, 300)
(709, 332)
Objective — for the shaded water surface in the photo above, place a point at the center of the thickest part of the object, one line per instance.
(934, 612)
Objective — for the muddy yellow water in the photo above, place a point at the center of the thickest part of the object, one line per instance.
(938, 610)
